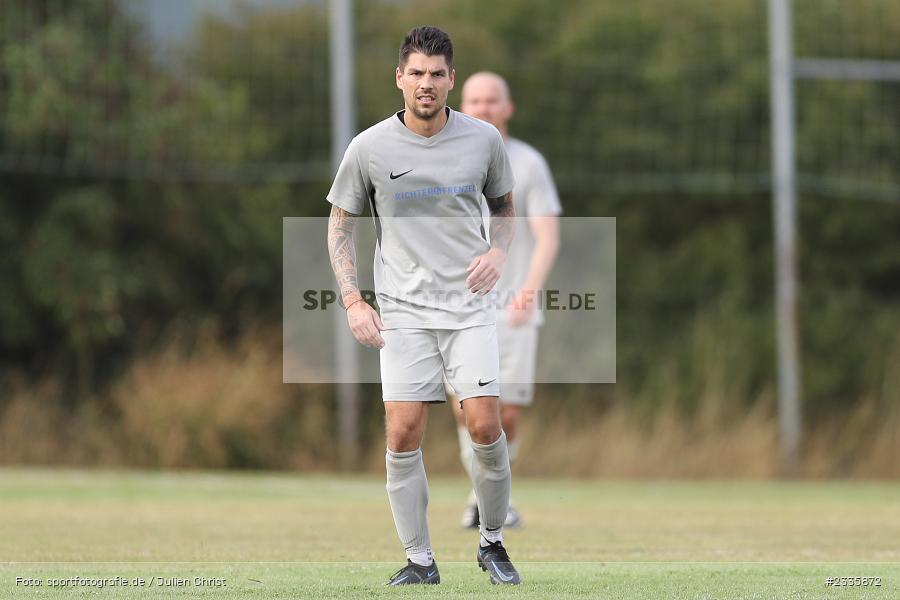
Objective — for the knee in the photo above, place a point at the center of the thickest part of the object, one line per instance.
(403, 437)
(484, 431)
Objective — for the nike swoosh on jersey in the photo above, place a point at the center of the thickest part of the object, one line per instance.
(482, 384)
(399, 174)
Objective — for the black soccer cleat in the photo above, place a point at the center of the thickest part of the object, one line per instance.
(494, 559)
(413, 573)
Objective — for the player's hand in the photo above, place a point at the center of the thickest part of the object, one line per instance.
(366, 325)
(485, 270)
(520, 308)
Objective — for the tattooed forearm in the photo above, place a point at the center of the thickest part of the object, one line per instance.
(343, 252)
(503, 221)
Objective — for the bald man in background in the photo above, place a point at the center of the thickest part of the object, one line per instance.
(530, 257)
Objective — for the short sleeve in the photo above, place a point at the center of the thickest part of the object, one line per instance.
(499, 180)
(350, 189)
(541, 198)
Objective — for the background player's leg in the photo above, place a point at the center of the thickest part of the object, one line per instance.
(466, 456)
(509, 418)
(490, 468)
(407, 486)
(465, 442)
(518, 353)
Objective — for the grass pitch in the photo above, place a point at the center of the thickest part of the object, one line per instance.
(221, 535)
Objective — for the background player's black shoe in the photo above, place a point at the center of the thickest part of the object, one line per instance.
(413, 573)
(470, 517)
(494, 559)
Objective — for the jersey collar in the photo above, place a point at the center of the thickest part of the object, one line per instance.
(398, 120)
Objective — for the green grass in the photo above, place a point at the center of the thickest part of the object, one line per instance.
(292, 536)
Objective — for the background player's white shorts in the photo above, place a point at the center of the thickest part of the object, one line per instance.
(518, 353)
(414, 363)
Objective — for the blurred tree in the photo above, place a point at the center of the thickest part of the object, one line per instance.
(108, 236)
(657, 114)
(136, 196)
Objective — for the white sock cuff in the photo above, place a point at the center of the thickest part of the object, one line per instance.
(424, 558)
(403, 462)
(401, 455)
(494, 456)
(489, 537)
(492, 447)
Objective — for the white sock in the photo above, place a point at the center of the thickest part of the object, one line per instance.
(423, 558)
(407, 489)
(491, 479)
(489, 537)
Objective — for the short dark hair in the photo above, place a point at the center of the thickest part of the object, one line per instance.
(429, 41)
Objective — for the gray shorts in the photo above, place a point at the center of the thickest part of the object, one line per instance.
(415, 362)
(518, 353)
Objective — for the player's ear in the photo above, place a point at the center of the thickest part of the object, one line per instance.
(452, 78)
(398, 75)
(511, 109)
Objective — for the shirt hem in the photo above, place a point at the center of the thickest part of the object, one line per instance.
(437, 325)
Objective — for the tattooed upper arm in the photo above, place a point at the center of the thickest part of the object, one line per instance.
(502, 205)
(342, 250)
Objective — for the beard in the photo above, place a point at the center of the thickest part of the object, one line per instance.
(426, 113)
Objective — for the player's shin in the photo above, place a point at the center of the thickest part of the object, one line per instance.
(407, 489)
(491, 479)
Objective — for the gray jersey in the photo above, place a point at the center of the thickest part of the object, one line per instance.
(426, 195)
(534, 195)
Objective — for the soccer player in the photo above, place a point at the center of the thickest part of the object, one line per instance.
(531, 255)
(423, 171)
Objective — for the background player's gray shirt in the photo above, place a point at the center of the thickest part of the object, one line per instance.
(426, 198)
(534, 195)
